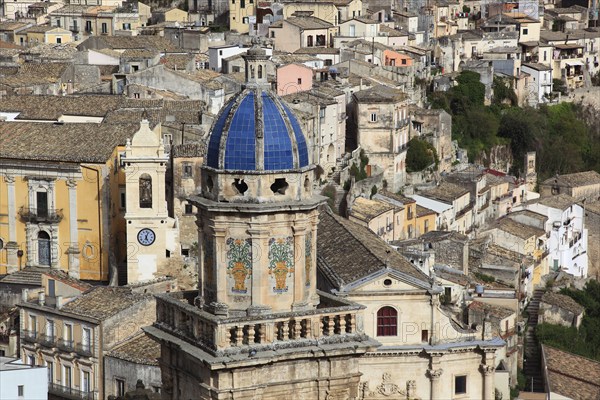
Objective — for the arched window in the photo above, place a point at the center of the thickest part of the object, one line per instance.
(145, 191)
(252, 71)
(387, 322)
(44, 254)
(260, 72)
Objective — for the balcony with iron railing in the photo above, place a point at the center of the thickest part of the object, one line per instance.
(84, 349)
(65, 345)
(29, 336)
(334, 320)
(47, 340)
(66, 392)
(48, 215)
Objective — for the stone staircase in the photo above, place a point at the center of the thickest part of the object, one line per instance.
(533, 364)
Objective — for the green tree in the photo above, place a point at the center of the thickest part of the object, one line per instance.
(420, 155)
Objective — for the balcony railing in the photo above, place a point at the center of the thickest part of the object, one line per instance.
(48, 215)
(69, 392)
(65, 345)
(216, 335)
(29, 336)
(47, 340)
(84, 349)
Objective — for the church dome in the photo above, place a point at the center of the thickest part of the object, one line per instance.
(256, 131)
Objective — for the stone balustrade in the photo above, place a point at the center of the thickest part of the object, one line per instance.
(219, 333)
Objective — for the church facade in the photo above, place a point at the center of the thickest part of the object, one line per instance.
(258, 327)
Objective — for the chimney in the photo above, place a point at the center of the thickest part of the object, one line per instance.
(25, 295)
(42, 298)
(59, 301)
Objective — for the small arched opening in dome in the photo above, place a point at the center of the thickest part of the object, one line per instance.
(279, 186)
(240, 186)
(260, 72)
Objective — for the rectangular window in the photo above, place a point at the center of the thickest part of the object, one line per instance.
(85, 382)
(42, 203)
(460, 384)
(21, 390)
(187, 170)
(120, 387)
(299, 81)
(50, 368)
(185, 252)
(88, 26)
(373, 117)
(86, 339)
(33, 324)
(525, 31)
(426, 226)
(68, 333)
(122, 198)
(58, 40)
(67, 382)
(403, 61)
(104, 27)
(424, 335)
(31, 360)
(50, 329)
(51, 287)
(126, 27)
(189, 209)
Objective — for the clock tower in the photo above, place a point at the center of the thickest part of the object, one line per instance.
(150, 231)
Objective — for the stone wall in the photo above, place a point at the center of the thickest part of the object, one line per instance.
(130, 372)
(592, 222)
(128, 322)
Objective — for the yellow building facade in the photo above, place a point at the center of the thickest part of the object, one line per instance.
(68, 214)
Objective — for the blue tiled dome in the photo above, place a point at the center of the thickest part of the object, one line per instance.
(254, 119)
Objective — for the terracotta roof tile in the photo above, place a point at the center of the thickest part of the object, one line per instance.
(562, 301)
(62, 142)
(103, 302)
(571, 375)
(348, 251)
(139, 349)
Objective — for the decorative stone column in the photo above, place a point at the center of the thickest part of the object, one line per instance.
(434, 376)
(73, 250)
(11, 247)
(488, 381)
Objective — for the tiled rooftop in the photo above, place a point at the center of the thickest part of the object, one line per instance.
(560, 201)
(493, 310)
(62, 142)
(446, 192)
(139, 349)
(103, 302)
(570, 375)
(308, 22)
(517, 229)
(348, 251)
(380, 94)
(575, 180)
(366, 209)
(562, 301)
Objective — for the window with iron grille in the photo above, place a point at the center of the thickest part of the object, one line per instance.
(387, 322)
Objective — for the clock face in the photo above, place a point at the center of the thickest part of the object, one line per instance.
(146, 237)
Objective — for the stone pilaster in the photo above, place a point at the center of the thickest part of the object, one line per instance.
(11, 247)
(434, 376)
(488, 381)
(299, 270)
(259, 279)
(73, 250)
